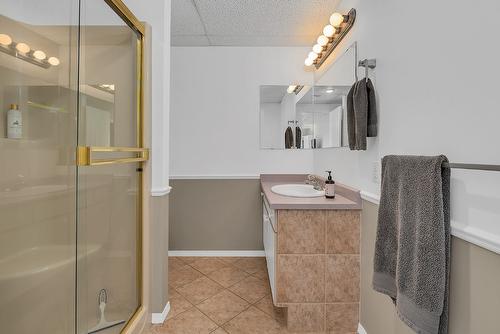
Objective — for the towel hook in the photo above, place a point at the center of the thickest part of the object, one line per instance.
(368, 63)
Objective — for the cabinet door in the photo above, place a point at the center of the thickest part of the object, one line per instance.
(269, 236)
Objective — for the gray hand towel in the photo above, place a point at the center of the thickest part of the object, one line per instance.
(360, 98)
(412, 249)
(288, 137)
(298, 137)
(361, 114)
(372, 110)
(351, 124)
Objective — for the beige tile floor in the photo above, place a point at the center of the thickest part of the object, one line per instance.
(220, 295)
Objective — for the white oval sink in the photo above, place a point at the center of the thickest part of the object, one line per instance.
(297, 190)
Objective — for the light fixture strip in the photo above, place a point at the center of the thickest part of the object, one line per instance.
(297, 89)
(28, 57)
(328, 47)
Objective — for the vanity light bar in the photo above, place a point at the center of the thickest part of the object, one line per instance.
(24, 52)
(297, 89)
(333, 33)
(294, 89)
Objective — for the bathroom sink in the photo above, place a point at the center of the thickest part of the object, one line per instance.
(297, 190)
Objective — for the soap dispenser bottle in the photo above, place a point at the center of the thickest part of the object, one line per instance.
(329, 186)
(14, 122)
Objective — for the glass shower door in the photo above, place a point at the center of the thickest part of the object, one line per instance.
(37, 166)
(109, 168)
(70, 166)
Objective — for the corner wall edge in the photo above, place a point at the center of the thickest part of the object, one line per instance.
(159, 318)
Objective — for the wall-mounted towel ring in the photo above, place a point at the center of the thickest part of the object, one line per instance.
(367, 63)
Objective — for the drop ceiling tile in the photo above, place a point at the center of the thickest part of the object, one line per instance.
(245, 40)
(250, 22)
(272, 94)
(189, 40)
(265, 17)
(185, 19)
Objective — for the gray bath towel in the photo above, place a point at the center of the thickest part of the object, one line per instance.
(351, 124)
(288, 137)
(298, 137)
(412, 249)
(372, 119)
(361, 114)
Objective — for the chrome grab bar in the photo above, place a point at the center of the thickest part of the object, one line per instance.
(84, 155)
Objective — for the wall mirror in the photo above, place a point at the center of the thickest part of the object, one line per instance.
(309, 117)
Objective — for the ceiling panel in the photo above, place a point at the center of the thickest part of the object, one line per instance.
(322, 96)
(185, 19)
(272, 94)
(251, 22)
(245, 40)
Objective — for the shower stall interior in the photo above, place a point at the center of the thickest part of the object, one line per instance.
(71, 148)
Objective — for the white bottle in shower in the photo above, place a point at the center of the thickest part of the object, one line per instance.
(14, 122)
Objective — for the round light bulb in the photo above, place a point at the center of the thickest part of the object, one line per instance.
(322, 40)
(317, 48)
(5, 39)
(336, 19)
(53, 61)
(312, 55)
(23, 47)
(329, 31)
(308, 62)
(39, 54)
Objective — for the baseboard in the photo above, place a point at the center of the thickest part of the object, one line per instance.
(159, 318)
(162, 191)
(361, 329)
(370, 197)
(221, 253)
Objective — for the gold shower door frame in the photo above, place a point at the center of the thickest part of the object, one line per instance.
(84, 153)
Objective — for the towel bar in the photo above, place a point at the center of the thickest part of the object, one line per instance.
(472, 166)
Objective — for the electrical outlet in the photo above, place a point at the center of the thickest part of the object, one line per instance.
(376, 172)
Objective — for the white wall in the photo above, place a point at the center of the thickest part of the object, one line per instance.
(215, 110)
(270, 125)
(437, 94)
(157, 14)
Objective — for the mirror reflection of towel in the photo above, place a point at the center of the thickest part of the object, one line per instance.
(298, 137)
(361, 114)
(288, 137)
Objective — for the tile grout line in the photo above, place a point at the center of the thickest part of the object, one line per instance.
(195, 306)
(221, 326)
(201, 311)
(225, 289)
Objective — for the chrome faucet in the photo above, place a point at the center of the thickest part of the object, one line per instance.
(315, 182)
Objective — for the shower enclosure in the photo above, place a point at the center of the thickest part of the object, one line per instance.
(71, 155)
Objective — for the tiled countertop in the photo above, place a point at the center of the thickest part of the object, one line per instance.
(346, 198)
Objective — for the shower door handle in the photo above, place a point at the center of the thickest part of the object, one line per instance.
(85, 155)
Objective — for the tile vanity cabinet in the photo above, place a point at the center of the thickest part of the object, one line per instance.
(313, 261)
